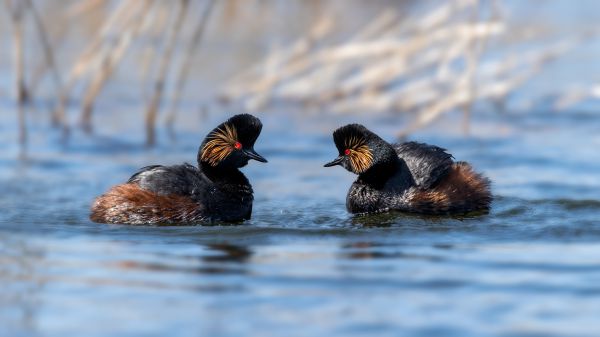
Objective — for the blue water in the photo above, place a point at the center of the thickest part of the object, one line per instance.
(303, 266)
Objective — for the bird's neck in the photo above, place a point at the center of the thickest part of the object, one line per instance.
(223, 174)
(384, 166)
(387, 166)
(379, 173)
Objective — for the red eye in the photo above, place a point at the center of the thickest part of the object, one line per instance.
(237, 145)
(346, 152)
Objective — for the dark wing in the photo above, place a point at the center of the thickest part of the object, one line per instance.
(427, 163)
(166, 180)
(135, 178)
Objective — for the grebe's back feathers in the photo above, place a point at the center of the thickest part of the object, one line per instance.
(426, 163)
(168, 180)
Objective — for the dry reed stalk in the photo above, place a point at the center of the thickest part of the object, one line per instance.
(110, 59)
(357, 49)
(92, 54)
(473, 53)
(436, 17)
(159, 85)
(155, 27)
(96, 51)
(40, 72)
(83, 7)
(414, 58)
(186, 65)
(473, 58)
(57, 119)
(384, 26)
(425, 92)
(294, 59)
(295, 56)
(386, 21)
(496, 88)
(16, 10)
(409, 66)
(460, 96)
(378, 74)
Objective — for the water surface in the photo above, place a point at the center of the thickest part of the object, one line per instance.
(303, 265)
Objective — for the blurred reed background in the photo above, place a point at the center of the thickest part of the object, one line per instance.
(418, 60)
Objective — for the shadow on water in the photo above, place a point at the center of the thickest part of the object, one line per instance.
(228, 253)
(394, 218)
(365, 250)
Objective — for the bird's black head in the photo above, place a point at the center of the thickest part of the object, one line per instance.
(231, 144)
(360, 149)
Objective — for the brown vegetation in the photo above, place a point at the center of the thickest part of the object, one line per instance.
(422, 64)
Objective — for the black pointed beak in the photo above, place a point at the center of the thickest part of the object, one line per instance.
(253, 155)
(336, 161)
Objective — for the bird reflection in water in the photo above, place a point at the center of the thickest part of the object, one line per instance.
(226, 260)
(229, 253)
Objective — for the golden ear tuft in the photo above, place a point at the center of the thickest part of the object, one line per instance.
(360, 155)
(220, 145)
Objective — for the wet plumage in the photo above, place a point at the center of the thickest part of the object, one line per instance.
(409, 177)
(215, 190)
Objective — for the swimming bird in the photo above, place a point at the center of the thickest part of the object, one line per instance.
(215, 190)
(409, 177)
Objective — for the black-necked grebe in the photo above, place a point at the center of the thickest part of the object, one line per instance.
(409, 177)
(214, 191)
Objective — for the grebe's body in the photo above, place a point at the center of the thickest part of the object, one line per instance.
(409, 177)
(214, 191)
